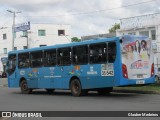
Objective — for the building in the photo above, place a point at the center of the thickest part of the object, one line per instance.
(38, 35)
(148, 25)
(107, 35)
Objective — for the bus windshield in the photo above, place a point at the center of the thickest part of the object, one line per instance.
(11, 64)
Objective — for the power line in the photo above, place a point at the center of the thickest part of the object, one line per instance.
(97, 11)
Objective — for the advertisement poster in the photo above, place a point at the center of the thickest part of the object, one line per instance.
(137, 56)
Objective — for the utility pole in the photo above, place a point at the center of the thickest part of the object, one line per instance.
(13, 26)
(28, 32)
(27, 41)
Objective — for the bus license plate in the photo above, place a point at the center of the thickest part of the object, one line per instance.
(140, 82)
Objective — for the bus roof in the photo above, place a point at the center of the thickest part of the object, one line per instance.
(98, 40)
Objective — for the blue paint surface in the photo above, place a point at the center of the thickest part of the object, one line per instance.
(58, 77)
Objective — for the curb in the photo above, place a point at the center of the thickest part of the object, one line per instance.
(137, 91)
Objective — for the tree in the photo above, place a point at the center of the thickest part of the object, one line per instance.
(114, 28)
(75, 39)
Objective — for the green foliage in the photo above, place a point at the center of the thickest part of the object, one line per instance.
(152, 87)
(75, 39)
(114, 28)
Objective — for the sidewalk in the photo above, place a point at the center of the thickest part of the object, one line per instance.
(3, 82)
(147, 89)
(136, 91)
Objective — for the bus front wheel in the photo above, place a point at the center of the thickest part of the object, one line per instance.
(76, 88)
(24, 87)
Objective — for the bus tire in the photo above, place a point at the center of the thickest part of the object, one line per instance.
(104, 91)
(50, 91)
(76, 88)
(24, 87)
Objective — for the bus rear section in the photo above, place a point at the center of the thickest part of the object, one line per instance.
(137, 61)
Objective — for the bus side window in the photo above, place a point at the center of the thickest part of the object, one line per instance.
(49, 58)
(36, 59)
(80, 54)
(98, 53)
(111, 52)
(64, 56)
(92, 54)
(23, 60)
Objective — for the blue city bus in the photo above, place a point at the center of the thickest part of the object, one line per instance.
(98, 64)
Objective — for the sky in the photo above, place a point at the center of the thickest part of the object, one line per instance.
(86, 17)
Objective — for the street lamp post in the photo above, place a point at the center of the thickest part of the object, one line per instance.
(13, 26)
(26, 35)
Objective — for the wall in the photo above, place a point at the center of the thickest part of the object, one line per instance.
(34, 40)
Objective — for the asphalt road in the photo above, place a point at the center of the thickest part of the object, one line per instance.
(12, 100)
(3, 82)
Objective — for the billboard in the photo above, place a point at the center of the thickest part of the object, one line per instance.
(137, 56)
(22, 27)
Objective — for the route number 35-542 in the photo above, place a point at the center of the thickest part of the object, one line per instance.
(107, 73)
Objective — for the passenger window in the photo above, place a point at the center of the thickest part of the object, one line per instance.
(49, 58)
(36, 59)
(98, 53)
(80, 54)
(23, 60)
(111, 52)
(64, 56)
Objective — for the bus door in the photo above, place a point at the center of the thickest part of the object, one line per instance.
(33, 78)
(49, 70)
(35, 74)
(64, 62)
(102, 58)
